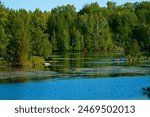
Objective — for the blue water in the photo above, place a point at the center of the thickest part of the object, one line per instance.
(78, 88)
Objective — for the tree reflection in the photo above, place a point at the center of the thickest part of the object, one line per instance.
(14, 80)
(76, 64)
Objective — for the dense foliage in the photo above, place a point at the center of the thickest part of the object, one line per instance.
(24, 34)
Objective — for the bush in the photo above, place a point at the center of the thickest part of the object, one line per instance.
(3, 63)
(37, 61)
(132, 51)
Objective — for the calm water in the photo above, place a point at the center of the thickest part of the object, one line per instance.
(78, 76)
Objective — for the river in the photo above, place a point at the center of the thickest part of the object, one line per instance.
(78, 76)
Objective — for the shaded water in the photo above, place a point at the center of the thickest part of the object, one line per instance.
(78, 76)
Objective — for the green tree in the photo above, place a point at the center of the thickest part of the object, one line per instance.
(142, 35)
(54, 41)
(76, 40)
(18, 47)
(132, 50)
(61, 20)
(111, 5)
(40, 44)
(96, 33)
(23, 50)
(3, 42)
(3, 34)
(26, 34)
(90, 8)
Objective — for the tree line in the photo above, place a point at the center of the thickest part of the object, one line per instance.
(28, 35)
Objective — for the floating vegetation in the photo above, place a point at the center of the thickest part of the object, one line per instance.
(29, 74)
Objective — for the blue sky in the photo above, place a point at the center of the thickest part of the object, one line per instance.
(49, 4)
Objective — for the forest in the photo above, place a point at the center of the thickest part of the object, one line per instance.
(29, 36)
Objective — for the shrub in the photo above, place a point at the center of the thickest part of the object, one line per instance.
(132, 51)
(37, 61)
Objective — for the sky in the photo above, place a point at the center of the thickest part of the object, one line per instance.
(49, 4)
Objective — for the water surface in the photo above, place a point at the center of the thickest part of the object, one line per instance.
(78, 76)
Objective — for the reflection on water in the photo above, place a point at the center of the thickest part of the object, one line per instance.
(97, 65)
(73, 67)
(89, 65)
